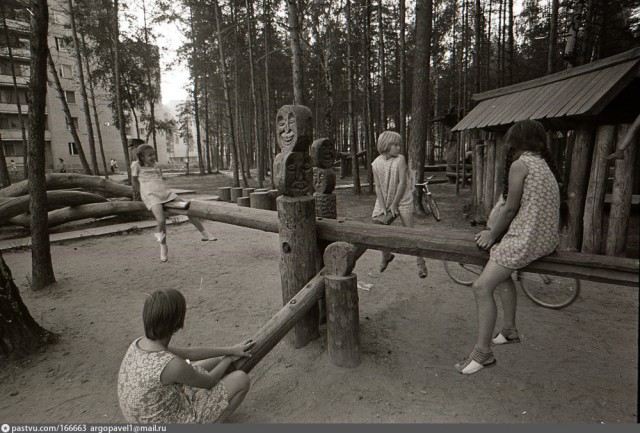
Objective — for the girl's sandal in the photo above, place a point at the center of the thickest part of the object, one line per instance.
(506, 337)
(476, 362)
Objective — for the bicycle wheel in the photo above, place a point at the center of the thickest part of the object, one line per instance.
(549, 291)
(432, 206)
(462, 273)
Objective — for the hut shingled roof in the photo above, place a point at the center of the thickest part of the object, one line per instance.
(581, 91)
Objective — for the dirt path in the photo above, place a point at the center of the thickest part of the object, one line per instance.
(577, 365)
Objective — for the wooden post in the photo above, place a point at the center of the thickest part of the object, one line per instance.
(298, 259)
(261, 200)
(621, 198)
(489, 168)
(341, 292)
(577, 187)
(274, 194)
(478, 177)
(235, 193)
(247, 191)
(244, 201)
(500, 161)
(594, 202)
(224, 193)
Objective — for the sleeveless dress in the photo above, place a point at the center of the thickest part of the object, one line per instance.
(153, 190)
(389, 179)
(145, 399)
(534, 232)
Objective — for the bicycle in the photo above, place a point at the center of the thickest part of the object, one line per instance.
(548, 291)
(429, 200)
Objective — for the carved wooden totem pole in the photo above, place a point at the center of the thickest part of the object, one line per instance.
(293, 176)
(323, 155)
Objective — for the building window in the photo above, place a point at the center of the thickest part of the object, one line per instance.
(73, 150)
(12, 149)
(66, 71)
(63, 44)
(75, 123)
(70, 96)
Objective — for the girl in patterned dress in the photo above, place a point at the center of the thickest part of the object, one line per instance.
(158, 383)
(393, 189)
(148, 180)
(523, 229)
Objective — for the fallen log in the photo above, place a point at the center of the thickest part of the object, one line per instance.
(20, 205)
(93, 210)
(56, 181)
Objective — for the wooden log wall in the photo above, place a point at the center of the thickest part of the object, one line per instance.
(478, 177)
(621, 196)
(489, 174)
(577, 187)
(594, 201)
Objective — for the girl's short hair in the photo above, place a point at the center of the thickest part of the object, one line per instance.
(386, 140)
(527, 135)
(140, 151)
(163, 313)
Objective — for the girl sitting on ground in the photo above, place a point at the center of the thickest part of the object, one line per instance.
(523, 229)
(393, 189)
(163, 384)
(148, 181)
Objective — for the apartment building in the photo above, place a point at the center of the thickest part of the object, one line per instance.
(59, 142)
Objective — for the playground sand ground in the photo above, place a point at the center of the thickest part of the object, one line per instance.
(577, 365)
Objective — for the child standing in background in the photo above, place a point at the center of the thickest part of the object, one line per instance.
(148, 181)
(393, 189)
(529, 219)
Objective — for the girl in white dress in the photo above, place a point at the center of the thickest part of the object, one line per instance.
(148, 180)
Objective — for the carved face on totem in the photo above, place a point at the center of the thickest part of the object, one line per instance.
(324, 180)
(294, 128)
(293, 173)
(323, 153)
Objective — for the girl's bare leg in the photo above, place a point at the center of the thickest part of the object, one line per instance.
(509, 300)
(237, 385)
(406, 216)
(158, 214)
(483, 288)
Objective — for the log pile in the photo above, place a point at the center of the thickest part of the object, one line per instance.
(70, 197)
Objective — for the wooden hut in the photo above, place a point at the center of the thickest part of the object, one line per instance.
(587, 110)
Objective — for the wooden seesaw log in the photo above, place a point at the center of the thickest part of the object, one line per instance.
(56, 181)
(92, 210)
(20, 205)
(285, 319)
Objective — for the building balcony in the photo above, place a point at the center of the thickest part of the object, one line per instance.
(18, 53)
(16, 134)
(13, 108)
(8, 81)
(16, 26)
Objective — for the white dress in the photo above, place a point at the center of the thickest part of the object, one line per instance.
(153, 189)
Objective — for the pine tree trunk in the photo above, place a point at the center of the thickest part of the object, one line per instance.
(20, 335)
(254, 97)
(227, 95)
(116, 73)
(553, 37)
(352, 126)
(41, 266)
(296, 53)
(420, 95)
(383, 113)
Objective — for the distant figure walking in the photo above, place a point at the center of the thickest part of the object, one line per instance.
(63, 168)
(114, 165)
(14, 167)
